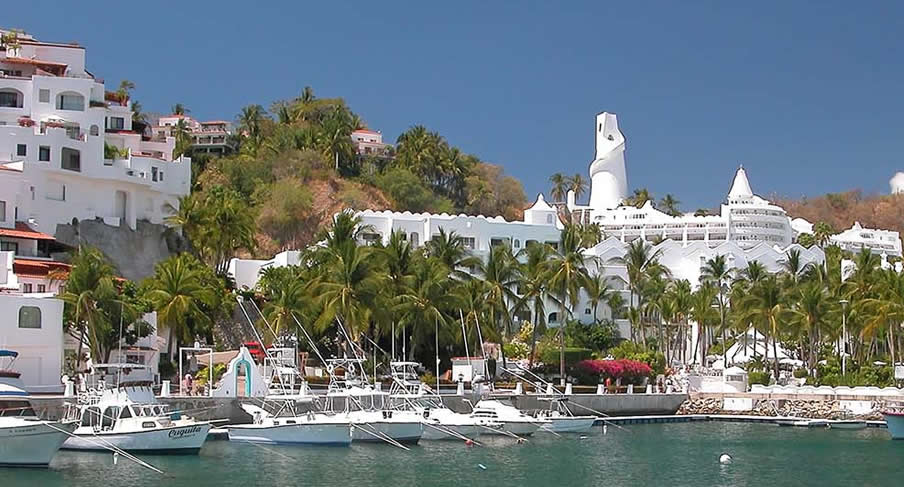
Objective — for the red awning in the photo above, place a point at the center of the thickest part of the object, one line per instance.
(22, 230)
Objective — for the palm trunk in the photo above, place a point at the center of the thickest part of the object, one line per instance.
(533, 339)
(775, 356)
(562, 345)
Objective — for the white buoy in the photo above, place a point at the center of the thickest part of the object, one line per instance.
(482, 466)
(605, 429)
(725, 459)
(115, 457)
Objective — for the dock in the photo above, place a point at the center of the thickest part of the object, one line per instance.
(727, 418)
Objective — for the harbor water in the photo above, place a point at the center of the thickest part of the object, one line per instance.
(678, 454)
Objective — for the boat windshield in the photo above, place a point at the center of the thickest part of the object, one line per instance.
(428, 402)
(12, 407)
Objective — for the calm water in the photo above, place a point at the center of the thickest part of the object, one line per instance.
(656, 454)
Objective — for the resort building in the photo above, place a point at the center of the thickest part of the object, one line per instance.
(67, 148)
(212, 137)
(887, 243)
(32, 325)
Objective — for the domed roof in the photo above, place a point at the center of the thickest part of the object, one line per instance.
(897, 183)
(541, 204)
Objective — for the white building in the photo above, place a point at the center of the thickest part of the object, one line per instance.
(211, 137)
(369, 143)
(33, 327)
(884, 242)
(58, 129)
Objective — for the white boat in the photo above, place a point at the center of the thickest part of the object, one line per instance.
(25, 439)
(894, 419)
(847, 424)
(351, 398)
(288, 426)
(513, 420)
(130, 418)
(440, 422)
(563, 420)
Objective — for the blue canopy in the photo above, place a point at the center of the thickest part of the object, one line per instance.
(8, 353)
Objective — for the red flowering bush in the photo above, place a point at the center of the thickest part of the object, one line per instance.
(596, 371)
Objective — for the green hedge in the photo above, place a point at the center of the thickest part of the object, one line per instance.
(573, 355)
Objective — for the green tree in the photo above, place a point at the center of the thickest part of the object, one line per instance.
(717, 271)
(567, 275)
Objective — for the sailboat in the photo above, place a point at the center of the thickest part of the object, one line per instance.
(25, 439)
(440, 422)
(129, 417)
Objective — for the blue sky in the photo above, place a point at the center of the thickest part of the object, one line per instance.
(807, 95)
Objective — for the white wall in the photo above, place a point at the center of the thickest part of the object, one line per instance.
(40, 350)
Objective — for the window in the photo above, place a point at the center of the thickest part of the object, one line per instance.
(468, 242)
(44, 153)
(26, 288)
(42, 288)
(9, 247)
(117, 123)
(94, 130)
(414, 239)
(30, 316)
(21, 150)
(154, 174)
(126, 413)
(553, 318)
(586, 311)
(161, 174)
(2, 211)
(71, 159)
(44, 96)
(70, 101)
(56, 191)
(10, 98)
(549, 218)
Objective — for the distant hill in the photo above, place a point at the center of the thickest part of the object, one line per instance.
(841, 210)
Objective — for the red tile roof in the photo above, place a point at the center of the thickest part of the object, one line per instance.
(367, 131)
(38, 268)
(7, 168)
(22, 230)
(34, 62)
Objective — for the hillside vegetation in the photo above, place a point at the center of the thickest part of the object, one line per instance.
(841, 210)
(296, 166)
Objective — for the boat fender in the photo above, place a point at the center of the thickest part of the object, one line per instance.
(725, 459)
(482, 466)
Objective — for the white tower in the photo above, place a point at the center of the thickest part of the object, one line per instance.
(608, 182)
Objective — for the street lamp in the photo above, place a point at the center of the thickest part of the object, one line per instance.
(844, 303)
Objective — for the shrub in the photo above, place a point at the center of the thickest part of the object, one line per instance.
(516, 350)
(757, 377)
(635, 351)
(595, 371)
(166, 369)
(800, 373)
(550, 355)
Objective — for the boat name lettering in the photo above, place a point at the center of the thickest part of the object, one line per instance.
(181, 432)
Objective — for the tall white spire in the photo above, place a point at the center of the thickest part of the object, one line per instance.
(608, 181)
(741, 186)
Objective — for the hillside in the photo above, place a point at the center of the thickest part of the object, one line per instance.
(841, 210)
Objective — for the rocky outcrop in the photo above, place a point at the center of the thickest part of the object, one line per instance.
(776, 407)
(134, 253)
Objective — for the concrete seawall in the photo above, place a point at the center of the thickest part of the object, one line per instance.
(211, 408)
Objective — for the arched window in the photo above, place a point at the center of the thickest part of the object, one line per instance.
(549, 218)
(553, 318)
(70, 100)
(10, 98)
(413, 239)
(30, 317)
(517, 244)
(94, 130)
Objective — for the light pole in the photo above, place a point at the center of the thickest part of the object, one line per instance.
(844, 303)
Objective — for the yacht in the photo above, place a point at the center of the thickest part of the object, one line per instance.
(287, 425)
(129, 417)
(440, 422)
(351, 398)
(894, 419)
(562, 419)
(513, 420)
(25, 439)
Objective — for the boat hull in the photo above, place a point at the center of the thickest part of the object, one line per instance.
(520, 428)
(401, 431)
(895, 423)
(183, 439)
(32, 445)
(338, 434)
(847, 425)
(467, 430)
(570, 424)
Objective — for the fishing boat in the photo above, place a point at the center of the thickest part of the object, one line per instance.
(563, 420)
(350, 397)
(287, 425)
(440, 422)
(25, 439)
(513, 420)
(129, 417)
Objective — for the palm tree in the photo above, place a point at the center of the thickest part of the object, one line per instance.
(598, 290)
(639, 260)
(249, 123)
(822, 233)
(285, 304)
(449, 248)
(124, 91)
(567, 275)
(669, 205)
(560, 185)
(794, 267)
(703, 314)
(810, 314)
(423, 305)
(348, 288)
(639, 198)
(179, 109)
(501, 273)
(578, 184)
(886, 309)
(682, 298)
(534, 288)
(179, 297)
(767, 306)
(717, 271)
